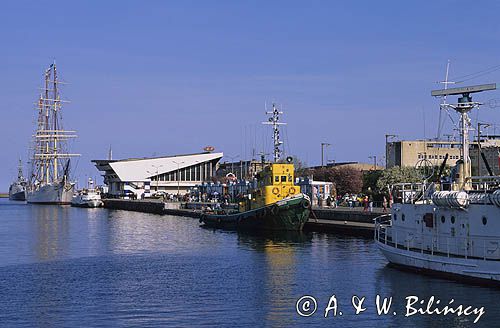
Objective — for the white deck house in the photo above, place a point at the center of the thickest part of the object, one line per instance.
(171, 174)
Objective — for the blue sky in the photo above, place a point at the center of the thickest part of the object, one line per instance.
(165, 77)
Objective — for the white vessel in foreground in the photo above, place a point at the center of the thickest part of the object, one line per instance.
(88, 197)
(49, 181)
(451, 227)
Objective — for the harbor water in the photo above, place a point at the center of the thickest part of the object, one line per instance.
(73, 267)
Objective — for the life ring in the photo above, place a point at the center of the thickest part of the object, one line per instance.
(306, 203)
(292, 190)
(276, 190)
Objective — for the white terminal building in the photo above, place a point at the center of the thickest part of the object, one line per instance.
(172, 174)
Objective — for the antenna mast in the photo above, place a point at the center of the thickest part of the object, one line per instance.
(274, 121)
(463, 107)
(443, 103)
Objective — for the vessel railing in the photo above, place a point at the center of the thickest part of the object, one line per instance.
(465, 247)
(409, 193)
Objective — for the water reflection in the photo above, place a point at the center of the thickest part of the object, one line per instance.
(52, 231)
(400, 284)
(62, 266)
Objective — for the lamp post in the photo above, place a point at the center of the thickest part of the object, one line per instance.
(479, 125)
(178, 177)
(157, 167)
(232, 158)
(387, 137)
(374, 157)
(323, 145)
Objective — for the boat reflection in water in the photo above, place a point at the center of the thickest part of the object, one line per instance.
(52, 235)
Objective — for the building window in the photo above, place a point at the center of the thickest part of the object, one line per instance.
(183, 175)
(197, 170)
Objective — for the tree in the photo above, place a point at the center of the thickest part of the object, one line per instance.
(346, 179)
(370, 179)
(396, 174)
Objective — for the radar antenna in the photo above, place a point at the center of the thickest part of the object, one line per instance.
(463, 107)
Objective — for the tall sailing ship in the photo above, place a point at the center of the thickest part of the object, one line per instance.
(49, 181)
(451, 226)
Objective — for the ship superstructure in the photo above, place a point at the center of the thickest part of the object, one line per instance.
(448, 226)
(50, 161)
(17, 190)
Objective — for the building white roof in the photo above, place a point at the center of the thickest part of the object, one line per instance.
(143, 169)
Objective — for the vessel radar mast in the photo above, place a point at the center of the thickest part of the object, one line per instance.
(463, 107)
(274, 121)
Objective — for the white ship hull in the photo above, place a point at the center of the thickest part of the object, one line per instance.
(461, 269)
(58, 193)
(453, 243)
(90, 200)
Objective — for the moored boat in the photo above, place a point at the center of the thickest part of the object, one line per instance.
(49, 179)
(276, 203)
(448, 227)
(17, 190)
(89, 197)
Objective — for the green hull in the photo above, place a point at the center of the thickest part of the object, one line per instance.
(286, 215)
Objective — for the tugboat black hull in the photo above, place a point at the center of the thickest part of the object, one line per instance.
(286, 215)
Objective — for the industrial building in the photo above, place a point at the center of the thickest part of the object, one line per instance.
(410, 152)
(171, 174)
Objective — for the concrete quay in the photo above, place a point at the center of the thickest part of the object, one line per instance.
(349, 221)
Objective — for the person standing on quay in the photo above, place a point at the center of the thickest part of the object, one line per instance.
(384, 204)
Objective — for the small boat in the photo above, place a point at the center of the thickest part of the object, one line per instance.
(276, 203)
(17, 190)
(89, 197)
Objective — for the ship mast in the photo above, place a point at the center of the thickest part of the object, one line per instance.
(463, 107)
(50, 157)
(274, 121)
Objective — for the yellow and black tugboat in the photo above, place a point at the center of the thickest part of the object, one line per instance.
(276, 203)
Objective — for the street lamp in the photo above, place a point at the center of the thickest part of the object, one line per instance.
(387, 137)
(157, 167)
(178, 177)
(374, 157)
(323, 145)
(232, 158)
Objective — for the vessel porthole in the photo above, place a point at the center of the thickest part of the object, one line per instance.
(452, 220)
(443, 219)
(485, 220)
(402, 217)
